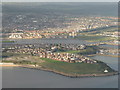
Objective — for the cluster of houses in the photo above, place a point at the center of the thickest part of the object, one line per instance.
(74, 26)
(50, 47)
(110, 51)
(111, 34)
(65, 57)
(68, 47)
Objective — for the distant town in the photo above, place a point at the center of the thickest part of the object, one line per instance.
(75, 26)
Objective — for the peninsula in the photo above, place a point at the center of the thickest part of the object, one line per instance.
(85, 68)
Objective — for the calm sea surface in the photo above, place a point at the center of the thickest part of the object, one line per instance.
(110, 46)
(67, 41)
(51, 41)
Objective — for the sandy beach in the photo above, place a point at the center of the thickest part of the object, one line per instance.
(8, 65)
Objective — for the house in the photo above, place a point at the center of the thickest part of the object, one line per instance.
(106, 71)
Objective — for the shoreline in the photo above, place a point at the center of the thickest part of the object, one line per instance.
(71, 75)
(62, 73)
(9, 65)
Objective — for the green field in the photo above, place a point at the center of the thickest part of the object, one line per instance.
(87, 50)
(71, 51)
(8, 41)
(75, 68)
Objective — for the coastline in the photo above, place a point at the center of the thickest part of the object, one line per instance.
(9, 65)
(62, 73)
(71, 75)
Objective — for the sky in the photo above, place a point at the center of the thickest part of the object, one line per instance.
(60, 0)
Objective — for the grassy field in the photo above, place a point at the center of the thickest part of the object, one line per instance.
(87, 50)
(75, 68)
(8, 41)
(68, 51)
